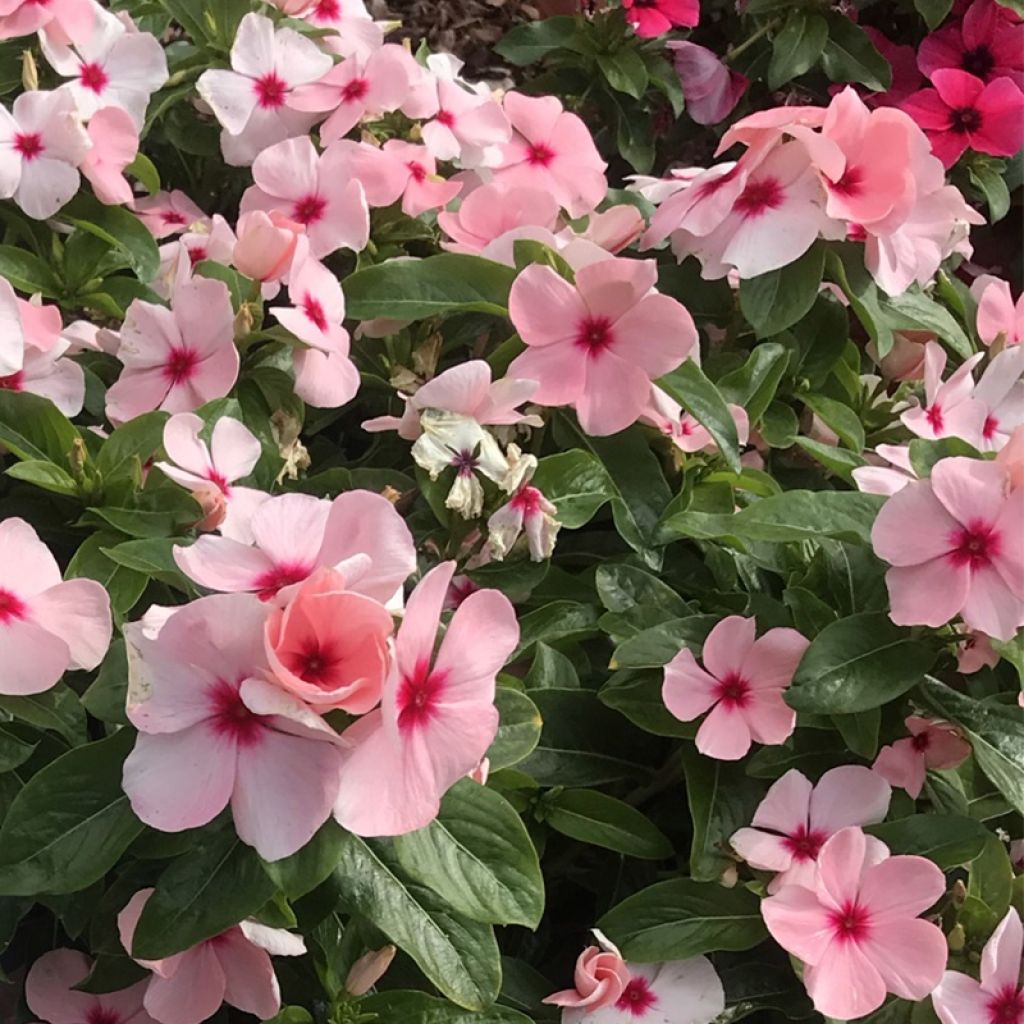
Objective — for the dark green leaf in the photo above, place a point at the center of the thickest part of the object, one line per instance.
(796, 47)
(519, 727)
(28, 273)
(777, 300)
(121, 228)
(850, 56)
(419, 1008)
(577, 483)
(944, 838)
(754, 384)
(528, 43)
(688, 385)
(601, 820)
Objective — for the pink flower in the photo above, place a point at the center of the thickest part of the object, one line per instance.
(267, 245)
(62, 20)
(651, 18)
(115, 144)
(179, 358)
(252, 100)
(528, 510)
(360, 534)
(1011, 458)
(422, 188)
(553, 151)
(357, 89)
(42, 144)
(50, 375)
(437, 717)
(952, 542)
(492, 210)
(468, 126)
(887, 480)
(615, 228)
(962, 112)
(168, 213)
(368, 970)
(352, 32)
(600, 979)
(1000, 320)
(1000, 392)
(329, 646)
(710, 88)
(985, 44)
(857, 930)
(742, 684)
(795, 819)
(465, 389)
(998, 998)
(111, 68)
(951, 408)
(51, 994)
(667, 415)
(974, 651)
(206, 239)
(932, 744)
(46, 625)
(599, 344)
(233, 967)
(311, 190)
(906, 78)
(213, 731)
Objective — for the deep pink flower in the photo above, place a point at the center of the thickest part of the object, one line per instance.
(46, 625)
(711, 89)
(906, 78)
(962, 112)
(953, 544)
(651, 18)
(985, 44)
(795, 819)
(598, 345)
(931, 745)
(437, 717)
(741, 684)
(857, 929)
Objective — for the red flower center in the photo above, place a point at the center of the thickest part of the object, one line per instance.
(733, 691)
(594, 335)
(418, 171)
(527, 501)
(314, 312)
(270, 90)
(12, 382)
(181, 365)
(446, 118)
(418, 696)
(309, 209)
(28, 144)
(1007, 1006)
(172, 217)
(11, 606)
(92, 76)
(936, 420)
(316, 663)
(990, 427)
(268, 583)
(974, 545)
(99, 1015)
(539, 154)
(805, 844)
(921, 741)
(851, 923)
(978, 61)
(354, 90)
(196, 254)
(759, 197)
(328, 10)
(231, 718)
(637, 998)
(851, 183)
(964, 120)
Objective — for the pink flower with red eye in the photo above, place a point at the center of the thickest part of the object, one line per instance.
(598, 344)
(553, 151)
(115, 144)
(857, 928)
(962, 112)
(252, 100)
(651, 18)
(214, 732)
(1000, 392)
(686, 433)
(882, 479)
(953, 542)
(1000, 321)
(46, 625)
(168, 213)
(527, 511)
(51, 994)
(358, 89)
(61, 21)
(492, 210)
(437, 717)
(207, 239)
(421, 187)
(42, 145)
(233, 967)
(329, 646)
(974, 651)
(112, 68)
(469, 127)
(742, 685)
(998, 998)
(352, 32)
(314, 191)
(986, 43)
(950, 408)
(711, 89)
(360, 534)
(796, 818)
(175, 359)
(932, 744)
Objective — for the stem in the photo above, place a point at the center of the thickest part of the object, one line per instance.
(667, 775)
(747, 43)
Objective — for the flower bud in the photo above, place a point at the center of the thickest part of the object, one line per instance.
(368, 970)
(266, 245)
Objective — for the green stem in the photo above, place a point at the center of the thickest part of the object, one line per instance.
(747, 43)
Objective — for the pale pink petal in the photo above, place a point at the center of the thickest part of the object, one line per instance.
(49, 987)
(657, 334)
(769, 718)
(544, 307)
(1001, 957)
(959, 999)
(290, 528)
(26, 565)
(560, 371)
(996, 313)
(612, 288)
(929, 594)
(728, 646)
(969, 489)
(688, 691)
(724, 734)
(991, 606)
(761, 850)
(46, 187)
(798, 923)
(844, 984)
(786, 806)
(614, 393)
(250, 982)
(901, 887)
(34, 659)
(772, 660)
(418, 630)
(849, 795)
(462, 389)
(913, 526)
(910, 955)
(901, 765)
(78, 612)
(193, 993)
(234, 448)
(840, 864)
(482, 634)
(326, 380)
(220, 563)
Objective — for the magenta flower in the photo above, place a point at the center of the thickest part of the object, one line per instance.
(931, 745)
(988, 43)
(176, 359)
(953, 542)
(741, 684)
(598, 345)
(962, 112)
(651, 18)
(857, 929)
(437, 717)
(46, 625)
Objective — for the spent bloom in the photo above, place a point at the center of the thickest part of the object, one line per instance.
(741, 684)
(931, 745)
(529, 511)
(711, 89)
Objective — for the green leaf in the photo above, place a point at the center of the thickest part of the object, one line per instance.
(637, 695)
(913, 310)
(556, 621)
(995, 732)
(416, 289)
(528, 43)
(621, 587)
(850, 56)
(459, 956)
(682, 918)
(519, 727)
(624, 71)
(45, 475)
(419, 1008)
(551, 668)
(601, 820)
(154, 557)
(144, 170)
(658, 645)
(925, 454)
(688, 385)
(131, 445)
(796, 47)
(754, 384)
(215, 885)
(121, 228)
(303, 871)
(934, 12)
(478, 856)
(858, 663)
(125, 586)
(58, 710)
(988, 180)
(860, 731)
(946, 839)
(28, 273)
(13, 750)
(34, 429)
(845, 262)
(70, 822)
(577, 483)
(527, 251)
(777, 300)
(841, 418)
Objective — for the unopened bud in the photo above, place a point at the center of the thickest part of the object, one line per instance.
(244, 320)
(956, 939)
(29, 71)
(391, 494)
(77, 457)
(729, 877)
(368, 970)
(958, 893)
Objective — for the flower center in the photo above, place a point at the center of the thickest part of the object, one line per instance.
(181, 365)
(527, 501)
(219, 480)
(12, 382)
(418, 171)
(418, 696)
(921, 742)
(309, 209)
(637, 998)
(99, 1015)
(965, 120)
(851, 923)
(990, 427)
(314, 312)
(979, 61)
(594, 335)
(446, 118)
(850, 184)
(354, 90)
(172, 217)
(316, 663)
(11, 606)
(974, 545)
(28, 144)
(539, 154)
(464, 461)
(268, 583)
(92, 76)
(328, 10)
(270, 90)
(196, 254)
(759, 197)
(936, 420)
(804, 844)
(231, 718)
(733, 691)
(1007, 1006)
